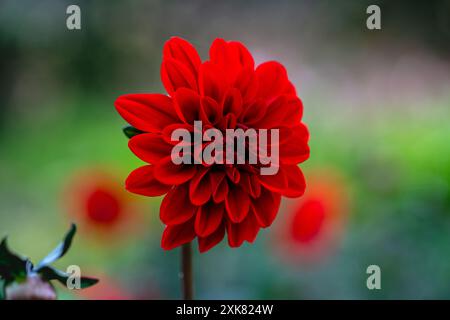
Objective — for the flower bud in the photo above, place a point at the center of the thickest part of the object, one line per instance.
(33, 288)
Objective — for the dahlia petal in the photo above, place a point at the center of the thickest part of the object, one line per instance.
(232, 102)
(211, 111)
(243, 55)
(216, 179)
(211, 81)
(175, 75)
(149, 147)
(231, 57)
(293, 110)
(261, 151)
(187, 105)
(247, 230)
(254, 113)
(167, 132)
(276, 182)
(284, 110)
(146, 112)
(169, 173)
(220, 193)
(233, 174)
(285, 134)
(208, 218)
(296, 182)
(233, 54)
(296, 149)
(251, 227)
(218, 51)
(184, 52)
(265, 208)
(237, 204)
(206, 243)
(228, 122)
(250, 183)
(235, 234)
(290, 89)
(255, 186)
(177, 235)
(274, 114)
(272, 80)
(176, 207)
(142, 181)
(247, 83)
(221, 56)
(200, 187)
(244, 182)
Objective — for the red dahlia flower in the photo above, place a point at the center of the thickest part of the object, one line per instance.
(226, 92)
(100, 206)
(313, 225)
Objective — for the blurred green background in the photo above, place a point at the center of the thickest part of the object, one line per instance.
(376, 103)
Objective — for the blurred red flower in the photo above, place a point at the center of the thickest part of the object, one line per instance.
(314, 224)
(96, 201)
(226, 92)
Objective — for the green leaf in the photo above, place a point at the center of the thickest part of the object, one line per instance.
(60, 250)
(87, 282)
(131, 131)
(2, 290)
(12, 266)
(49, 273)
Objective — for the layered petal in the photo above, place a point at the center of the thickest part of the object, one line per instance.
(237, 204)
(174, 174)
(274, 113)
(212, 81)
(149, 147)
(211, 111)
(167, 133)
(265, 208)
(220, 187)
(176, 207)
(296, 149)
(232, 102)
(142, 181)
(254, 113)
(247, 83)
(206, 243)
(250, 183)
(247, 230)
(276, 182)
(208, 218)
(175, 75)
(146, 112)
(296, 182)
(183, 52)
(200, 187)
(232, 57)
(187, 105)
(284, 110)
(273, 80)
(177, 235)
